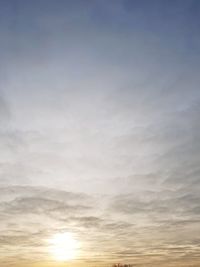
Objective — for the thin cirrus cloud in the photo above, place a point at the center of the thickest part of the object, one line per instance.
(99, 130)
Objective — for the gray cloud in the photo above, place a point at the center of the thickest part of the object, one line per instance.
(159, 204)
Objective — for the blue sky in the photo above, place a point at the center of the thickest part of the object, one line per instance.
(99, 119)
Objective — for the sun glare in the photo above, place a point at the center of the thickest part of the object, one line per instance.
(63, 246)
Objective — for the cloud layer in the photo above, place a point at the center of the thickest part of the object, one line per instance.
(162, 228)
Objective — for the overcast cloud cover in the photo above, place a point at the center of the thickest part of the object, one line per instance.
(100, 130)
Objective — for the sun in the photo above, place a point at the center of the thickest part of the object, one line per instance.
(63, 246)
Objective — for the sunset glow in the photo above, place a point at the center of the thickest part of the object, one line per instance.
(63, 247)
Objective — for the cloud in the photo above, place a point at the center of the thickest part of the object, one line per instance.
(164, 204)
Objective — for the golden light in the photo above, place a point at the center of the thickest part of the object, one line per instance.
(63, 246)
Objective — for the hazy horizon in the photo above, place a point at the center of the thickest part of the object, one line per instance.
(99, 133)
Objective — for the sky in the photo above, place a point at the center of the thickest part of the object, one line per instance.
(100, 131)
